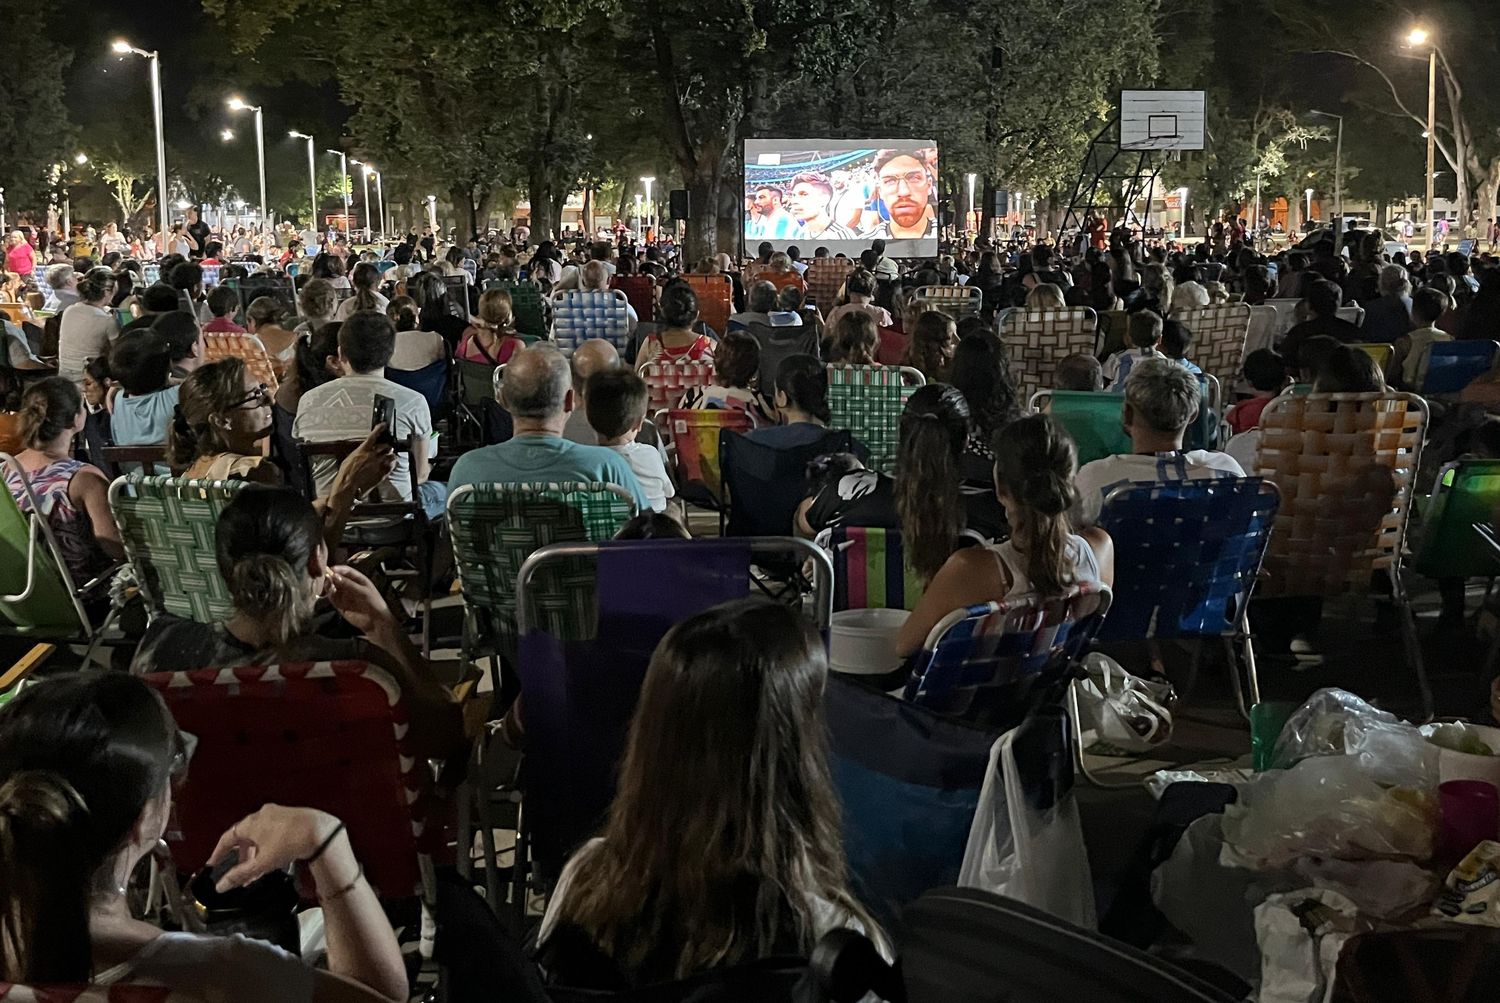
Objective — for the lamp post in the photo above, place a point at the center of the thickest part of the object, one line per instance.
(380, 197)
(1417, 38)
(344, 185)
(431, 201)
(1182, 207)
(238, 104)
(1338, 168)
(650, 209)
(124, 48)
(639, 232)
(312, 180)
(969, 219)
(1308, 192)
(365, 170)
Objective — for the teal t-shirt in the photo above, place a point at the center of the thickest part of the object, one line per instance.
(545, 458)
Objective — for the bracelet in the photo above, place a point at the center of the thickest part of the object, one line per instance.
(323, 846)
(358, 876)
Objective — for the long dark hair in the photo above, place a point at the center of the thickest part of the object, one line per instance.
(934, 428)
(313, 352)
(81, 757)
(721, 865)
(805, 382)
(1034, 462)
(432, 299)
(933, 338)
(48, 408)
(364, 279)
(982, 374)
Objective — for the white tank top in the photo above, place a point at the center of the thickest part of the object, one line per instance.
(1085, 565)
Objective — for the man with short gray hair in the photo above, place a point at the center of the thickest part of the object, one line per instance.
(538, 393)
(63, 281)
(1388, 316)
(1161, 401)
(763, 308)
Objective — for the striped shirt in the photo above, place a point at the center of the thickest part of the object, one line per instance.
(1097, 479)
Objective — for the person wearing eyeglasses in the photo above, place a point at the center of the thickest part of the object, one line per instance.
(904, 183)
(222, 418)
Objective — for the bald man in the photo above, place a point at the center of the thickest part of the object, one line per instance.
(538, 393)
(593, 356)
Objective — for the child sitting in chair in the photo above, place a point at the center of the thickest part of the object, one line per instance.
(1144, 334)
(616, 407)
(1266, 373)
(1176, 339)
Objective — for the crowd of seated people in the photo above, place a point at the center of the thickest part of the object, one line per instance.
(739, 858)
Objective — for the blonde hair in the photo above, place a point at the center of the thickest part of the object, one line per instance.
(497, 310)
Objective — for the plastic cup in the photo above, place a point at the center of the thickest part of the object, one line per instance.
(1471, 814)
(1266, 721)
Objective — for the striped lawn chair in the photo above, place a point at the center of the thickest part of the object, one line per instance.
(327, 735)
(495, 527)
(640, 290)
(1037, 340)
(1220, 334)
(583, 314)
(867, 400)
(525, 304)
(870, 570)
(246, 347)
(695, 450)
(715, 299)
(824, 278)
(666, 382)
(167, 526)
(957, 302)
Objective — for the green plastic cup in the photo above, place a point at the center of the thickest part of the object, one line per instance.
(1266, 721)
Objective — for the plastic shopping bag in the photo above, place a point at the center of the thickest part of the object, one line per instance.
(1125, 712)
(1032, 855)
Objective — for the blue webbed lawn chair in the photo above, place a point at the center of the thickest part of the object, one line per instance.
(1186, 558)
(1453, 365)
(579, 695)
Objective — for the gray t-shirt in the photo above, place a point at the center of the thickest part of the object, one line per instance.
(341, 410)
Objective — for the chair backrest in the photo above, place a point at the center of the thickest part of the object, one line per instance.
(957, 302)
(1286, 316)
(1220, 333)
(870, 569)
(457, 287)
(246, 347)
(640, 291)
(476, 381)
(1186, 554)
(1380, 351)
(1354, 314)
(1264, 321)
(255, 286)
(824, 278)
(431, 381)
(582, 314)
(1453, 365)
(983, 663)
(1093, 420)
(715, 299)
(327, 735)
(695, 439)
(37, 593)
(764, 485)
(867, 401)
(667, 381)
(1037, 340)
(908, 779)
(471, 266)
(1467, 491)
(776, 343)
(1114, 326)
(588, 687)
(495, 527)
(526, 307)
(1345, 465)
(167, 526)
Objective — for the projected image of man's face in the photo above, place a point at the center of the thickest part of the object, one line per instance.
(906, 188)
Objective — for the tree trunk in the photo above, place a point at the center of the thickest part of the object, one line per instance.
(987, 207)
(731, 226)
(540, 195)
(702, 238)
(1489, 195)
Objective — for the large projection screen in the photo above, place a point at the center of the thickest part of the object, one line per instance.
(842, 194)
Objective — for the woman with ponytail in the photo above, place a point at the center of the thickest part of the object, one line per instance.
(72, 495)
(86, 763)
(923, 500)
(366, 281)
(270, 549)
(1035, 461)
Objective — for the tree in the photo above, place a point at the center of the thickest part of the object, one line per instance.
(33, 117)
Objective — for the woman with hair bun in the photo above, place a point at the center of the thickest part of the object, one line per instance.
(270, 549)
(73, 495)
(1035, 461)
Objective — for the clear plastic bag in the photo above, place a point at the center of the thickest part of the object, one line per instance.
(1335, 722)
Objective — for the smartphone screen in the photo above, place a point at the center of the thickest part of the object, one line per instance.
(384, 411)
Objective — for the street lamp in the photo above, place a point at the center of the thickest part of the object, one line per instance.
(1416, 38)
(650, 209)
(344, 185)
(969, 220)
(124, 48)
(1308, 193)
(1182, 206)
(380, 198)
(366, 170)
(431, 201)
(1338, 167)
(312, 180)
(237, 103)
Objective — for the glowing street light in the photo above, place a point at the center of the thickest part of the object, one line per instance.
(650, 209)
(80, 159)
(238, 103)
(312, 179)
(366, 170)
(344, 185)
(124, 48)
(1417, 38)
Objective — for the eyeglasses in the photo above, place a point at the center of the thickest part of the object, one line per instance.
(259, 397)
(892, 182)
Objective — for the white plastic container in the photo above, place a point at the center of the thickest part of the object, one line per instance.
(863, 641)
(1466, 766)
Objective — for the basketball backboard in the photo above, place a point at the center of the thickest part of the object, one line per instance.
(1161, 120)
